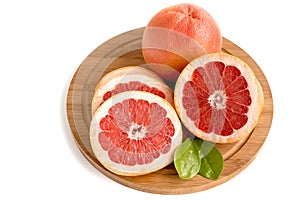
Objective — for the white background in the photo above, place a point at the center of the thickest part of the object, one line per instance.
(43, 42)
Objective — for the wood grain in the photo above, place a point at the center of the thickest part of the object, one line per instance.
(124, 50)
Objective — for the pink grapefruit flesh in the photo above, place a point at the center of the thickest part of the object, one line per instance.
(127, 79)
(135, 132)
(218, 98)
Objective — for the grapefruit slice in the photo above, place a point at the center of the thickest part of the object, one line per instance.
(135, 132)
(218, 98)
(126, 70)
(130, 78)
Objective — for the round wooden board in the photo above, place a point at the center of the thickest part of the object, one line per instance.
(124, 50)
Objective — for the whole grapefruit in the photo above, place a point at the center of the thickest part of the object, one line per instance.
(177, 35)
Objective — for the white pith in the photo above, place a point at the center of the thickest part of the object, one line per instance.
(136, 132)
(217, 100)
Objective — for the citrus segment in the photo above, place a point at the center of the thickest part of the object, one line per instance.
(218, 98)
(133, 85)
(135, 132)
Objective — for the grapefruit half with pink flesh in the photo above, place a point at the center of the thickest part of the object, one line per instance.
(218, 98)
(126, 70)
(135, 132)
(130, 78)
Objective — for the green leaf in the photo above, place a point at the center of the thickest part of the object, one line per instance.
(212, 161)
(186, 160)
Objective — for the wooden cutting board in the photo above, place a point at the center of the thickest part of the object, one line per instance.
(124, 50)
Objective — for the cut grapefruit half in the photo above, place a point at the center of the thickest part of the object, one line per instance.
(126, 70)
(135, 132)
(130, 78)
(218, 98)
